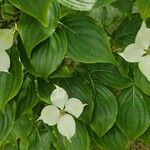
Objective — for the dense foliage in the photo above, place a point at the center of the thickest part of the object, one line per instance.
(75, 45)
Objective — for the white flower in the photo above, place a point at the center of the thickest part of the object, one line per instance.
(140, 51)
(58, 112)
(6, 41)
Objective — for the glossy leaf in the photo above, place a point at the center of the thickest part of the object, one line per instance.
(10, 83)
(83, 5)
(133, 114)
(105, 110)
(91, 39)
(6, 122)
(47, 56)
(36, 8)
(144, 8)
(31, 30)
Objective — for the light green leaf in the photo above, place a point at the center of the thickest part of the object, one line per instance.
(10, 83)
(6, 122)
(133, 113)
(87, 41)
(47, 56)
(80, 141)
(36, 8)
(114, 140)
(83, 5)
(110, 76)
(31, 30)
(105, 110)
(144, 8)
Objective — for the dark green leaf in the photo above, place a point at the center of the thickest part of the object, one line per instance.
(10, 83)
(109, 75)
(133, 113)
(114, 140)
(87, 41)
(141, 81)
(105, 110)
(27, 97)
(6, 122)
(32, 30)
(47, 56)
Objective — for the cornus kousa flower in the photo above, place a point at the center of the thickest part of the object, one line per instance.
(140, 51)
(61, 112)
(6, 41)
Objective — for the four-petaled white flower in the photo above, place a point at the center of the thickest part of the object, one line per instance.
(6, 41)
(140, 50)
(58, 112)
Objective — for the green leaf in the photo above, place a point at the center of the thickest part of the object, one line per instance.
(127, 30)
(27, 97)
(36, 8)
(104, 2)
(109, 75)
(133, 113)
(124, 6)
(146, 137)
(44, 90)
(10, 83)
(6, 122)
(87, 41)
(141, 81)
(40, 140)
(32, 30)
(144, 8)
(62, 72)
(80, 141)
(105, 110)
(114, 140)
(22, 127)
(78, 88)
(82, 5)
(47, 56)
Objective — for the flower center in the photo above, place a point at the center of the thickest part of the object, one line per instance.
(147, 51)
(62, 112)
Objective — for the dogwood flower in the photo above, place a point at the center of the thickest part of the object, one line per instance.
(6, 41)
(140, 51)
(59, 112)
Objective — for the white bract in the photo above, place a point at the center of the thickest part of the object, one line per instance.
(140, 51)
(58, 112)
(6, 41)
